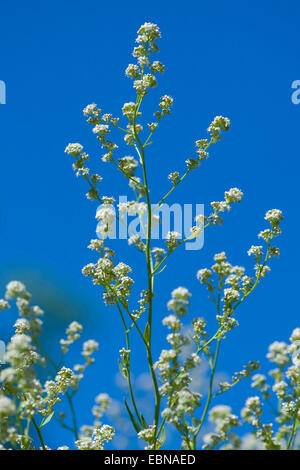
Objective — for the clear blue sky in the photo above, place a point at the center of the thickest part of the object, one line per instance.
(233, 58)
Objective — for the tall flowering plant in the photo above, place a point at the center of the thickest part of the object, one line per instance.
(27, 405)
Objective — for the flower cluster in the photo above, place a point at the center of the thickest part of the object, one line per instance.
(106, 215)
(148, 33)
(96, 441)
(112, 278)
(232, 280)
(25, 401)
(223, 419)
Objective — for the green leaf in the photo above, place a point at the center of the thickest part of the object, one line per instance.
(144, 422)
(122, 369)
(147, 333)
(162, 436)
(161, 269)
(46, 420)
(132, 418)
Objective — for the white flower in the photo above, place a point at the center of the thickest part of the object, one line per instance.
(151, 31)
(22, 325)
(147, 434)
(172, 322)
(15, 289)
(89, 347)
(295, 336)
(129, 109)
(218, 125)
(253, 403)
(101, 129)
(103, 399)
(173, 235)
(181, 293)
(278, 353)
(219, 413)
(74, 149)
(211, 439)
(74, 328)
(274, 216)
(106, 214)
(7, 407)
(203, 275)
(231, 295)
(91, 109)
(255, 250)
(233, 195)
(280, 389)
(220, 257)
(4, 304)
(132, 208)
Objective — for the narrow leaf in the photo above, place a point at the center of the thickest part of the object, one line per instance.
(122, 369)
(46, 421)
(162, 436)
(132, 418)
(144, 422)
(147, 333)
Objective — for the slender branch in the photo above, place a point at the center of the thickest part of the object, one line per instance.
(178, 182)
(71, 404)
(39, 433)
(294, 428)
(126, 175)
(259, 276)
(100, 200)
(179, 244)
(128, 367)
(213, 370)
(141, 153)
(152, 132)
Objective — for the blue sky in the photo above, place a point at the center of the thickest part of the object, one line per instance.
(237, 59)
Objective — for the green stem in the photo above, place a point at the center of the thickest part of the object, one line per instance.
(128, 368)
(179, 244)
(213, 370)
(149, 270)
(257, 278)
(209, 397)
(75, 428)
(292, 434)
(178, 182)
(127, 176)
(39, 433)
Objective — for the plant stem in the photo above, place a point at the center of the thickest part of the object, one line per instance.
(292, 434)
(209, 397)
(75, 428)
(141, 153)
(39, 433)
(128, 368)
(213, 370)
(178, 182)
